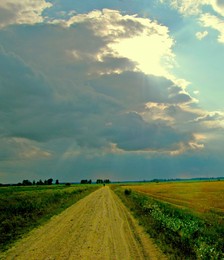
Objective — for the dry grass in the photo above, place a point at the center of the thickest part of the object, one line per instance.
(201, 197)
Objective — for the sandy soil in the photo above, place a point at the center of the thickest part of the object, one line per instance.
(97, 227)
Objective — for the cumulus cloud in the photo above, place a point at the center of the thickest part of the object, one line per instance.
(22, 12)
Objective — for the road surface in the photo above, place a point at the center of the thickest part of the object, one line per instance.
(97, 227)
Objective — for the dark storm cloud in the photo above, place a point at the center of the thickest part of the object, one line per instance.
(67, 97)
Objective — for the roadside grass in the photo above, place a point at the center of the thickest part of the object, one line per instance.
(179, 232)
(23, 208)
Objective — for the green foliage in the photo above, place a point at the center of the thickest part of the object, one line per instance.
(22, 208)
(127, 191)
(100, 181)
(86, 182)
(179, 233)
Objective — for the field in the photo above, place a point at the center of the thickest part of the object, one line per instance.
(201, 197)
(23, 208)
(186, 219)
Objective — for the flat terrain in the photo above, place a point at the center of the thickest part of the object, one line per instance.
(97, 227)
(202, 197)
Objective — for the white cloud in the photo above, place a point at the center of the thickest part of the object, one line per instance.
(218, 6)
(188, 7)
(194, 7)
(22, 11)
(208, 20)
(201, 35)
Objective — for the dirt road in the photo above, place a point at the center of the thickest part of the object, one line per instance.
(97, 227)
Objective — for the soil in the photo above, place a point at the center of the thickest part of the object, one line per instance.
(97, 227)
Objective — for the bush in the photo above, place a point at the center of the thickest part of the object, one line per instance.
(127, 191)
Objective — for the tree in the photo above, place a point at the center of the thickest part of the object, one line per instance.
(26, 183)
(99, 181)
(57, 182)
(49, 181)
(40, 182)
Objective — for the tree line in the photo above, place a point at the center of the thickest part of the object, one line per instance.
(40, 182)
(98, 181)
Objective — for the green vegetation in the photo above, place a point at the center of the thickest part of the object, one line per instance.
(100, 181)
(23, 208)
(179, 232)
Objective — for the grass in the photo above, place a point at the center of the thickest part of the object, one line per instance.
(23, 208)
(180, 230)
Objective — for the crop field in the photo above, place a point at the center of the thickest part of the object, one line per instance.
(23, 208)
(201, 197)
(186, 219)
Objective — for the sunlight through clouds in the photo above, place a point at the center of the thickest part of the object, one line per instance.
(152, 53)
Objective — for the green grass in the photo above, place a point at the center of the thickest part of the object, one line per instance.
(23, 208)
(180, 233)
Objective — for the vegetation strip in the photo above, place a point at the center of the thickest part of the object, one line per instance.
(23, 208)
(179, 233)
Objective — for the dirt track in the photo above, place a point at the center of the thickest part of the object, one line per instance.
(97, 227)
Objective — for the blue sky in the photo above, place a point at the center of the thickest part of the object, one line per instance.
(125, 90)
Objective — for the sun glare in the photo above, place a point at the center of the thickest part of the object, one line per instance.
(152, 53)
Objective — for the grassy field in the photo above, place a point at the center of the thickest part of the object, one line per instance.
(185, 219)
(23, 208)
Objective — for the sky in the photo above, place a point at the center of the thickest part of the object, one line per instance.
(117, 89)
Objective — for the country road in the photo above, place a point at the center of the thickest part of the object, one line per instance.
(97, 227)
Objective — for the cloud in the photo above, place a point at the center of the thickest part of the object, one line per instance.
(201, 35)
(209, 13)
(188, 7)
(77, 87)
(195, 7)
(22, 12)
(67, 95)
(22, 149)
(208, 20)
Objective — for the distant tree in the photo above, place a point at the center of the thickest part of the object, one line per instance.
(86, 182)
(40, 182)
(34, 183)
(106, 181)
(99, 181)
(49, 181)
(57, 182)
(26, 183)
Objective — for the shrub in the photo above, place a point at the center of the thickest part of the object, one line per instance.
(127, 191)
